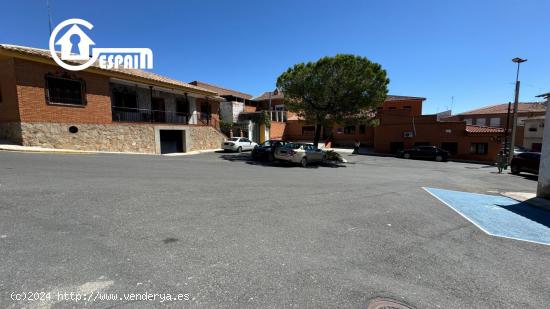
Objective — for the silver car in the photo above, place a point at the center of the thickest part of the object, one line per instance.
(299, 153)
(238, 144)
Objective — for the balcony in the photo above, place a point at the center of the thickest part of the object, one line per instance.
(125, 114)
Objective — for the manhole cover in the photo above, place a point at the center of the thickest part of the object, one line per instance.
(385, 303)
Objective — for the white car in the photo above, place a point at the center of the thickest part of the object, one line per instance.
(238, 144)
(299, 153)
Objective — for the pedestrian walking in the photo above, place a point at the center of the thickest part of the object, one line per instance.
(328, 142)
(356, 147)
(501, 161)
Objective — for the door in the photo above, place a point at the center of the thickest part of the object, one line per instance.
(312, 153)
(205, 111)
(246, 143)
(171, 141)
(158, 109)
(536, 147)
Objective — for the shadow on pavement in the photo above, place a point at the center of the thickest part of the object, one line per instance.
(247, 158)
(532, 213)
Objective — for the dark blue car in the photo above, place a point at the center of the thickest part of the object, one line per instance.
(266, 149)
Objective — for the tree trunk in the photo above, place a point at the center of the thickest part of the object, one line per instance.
(317, 136)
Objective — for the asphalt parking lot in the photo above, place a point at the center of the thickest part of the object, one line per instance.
(233, 233)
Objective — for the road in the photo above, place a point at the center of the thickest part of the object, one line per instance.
(227, 232)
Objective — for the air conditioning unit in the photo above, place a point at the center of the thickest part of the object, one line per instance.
(408, 134)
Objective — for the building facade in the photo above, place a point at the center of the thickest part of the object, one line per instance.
(533, 133)
(497, 116)
(101, 110)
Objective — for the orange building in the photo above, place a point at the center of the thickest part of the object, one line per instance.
(401, 125)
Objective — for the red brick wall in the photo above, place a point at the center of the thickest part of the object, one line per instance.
(249, 109)
(392, 127)
(414, 110)
(277, 130)
(30, 77)
(9, 110)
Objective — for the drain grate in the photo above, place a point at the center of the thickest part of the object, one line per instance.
(386, 303)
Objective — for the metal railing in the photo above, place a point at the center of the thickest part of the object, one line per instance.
(127, 114)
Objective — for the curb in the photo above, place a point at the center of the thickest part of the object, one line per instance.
(533, 201)
(70, 151)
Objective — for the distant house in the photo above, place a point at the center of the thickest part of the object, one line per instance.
(533, 133)
(496, 115)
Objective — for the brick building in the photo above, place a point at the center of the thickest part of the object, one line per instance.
(42, 104)
(400, 130)
(496, 116)
(400, 125)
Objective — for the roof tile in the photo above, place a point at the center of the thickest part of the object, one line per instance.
(503, 108)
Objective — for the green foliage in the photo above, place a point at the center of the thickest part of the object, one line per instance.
(342, 89)
(332, 155)
(226, 124)
(265, 119)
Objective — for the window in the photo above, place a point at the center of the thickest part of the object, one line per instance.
(481, 122)
(349, 130)
(468, 120)
(308, 130)
(407, 107)
(392, 107)
(61, 90)
(362, 129)
(182, 107)
(521, 120)
(533, 129)
(124, 99)
(0, 93)
(494, 122)
(478, 148)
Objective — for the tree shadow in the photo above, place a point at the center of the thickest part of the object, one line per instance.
(247, 158)
(530, 212)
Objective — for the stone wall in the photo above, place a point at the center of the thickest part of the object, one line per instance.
(92, 137)
(203, 138)
(10, 131)
(104, 137)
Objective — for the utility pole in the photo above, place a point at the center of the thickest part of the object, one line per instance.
(507, 130)
(515, 116)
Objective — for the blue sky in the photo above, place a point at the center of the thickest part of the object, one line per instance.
(434, 49)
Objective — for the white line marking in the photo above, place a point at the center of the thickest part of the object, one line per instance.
(477, 225)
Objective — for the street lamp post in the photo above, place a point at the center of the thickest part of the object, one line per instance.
(515, 116)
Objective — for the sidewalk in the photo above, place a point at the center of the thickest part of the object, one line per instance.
(529, 198)
(19, 148)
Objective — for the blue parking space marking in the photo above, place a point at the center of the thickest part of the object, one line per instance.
(498, 215)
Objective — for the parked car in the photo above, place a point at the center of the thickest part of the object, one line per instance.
(424, 152)
(299, 153)
(266, 150)
(238, 144)
(526, 162)
(519, 149)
